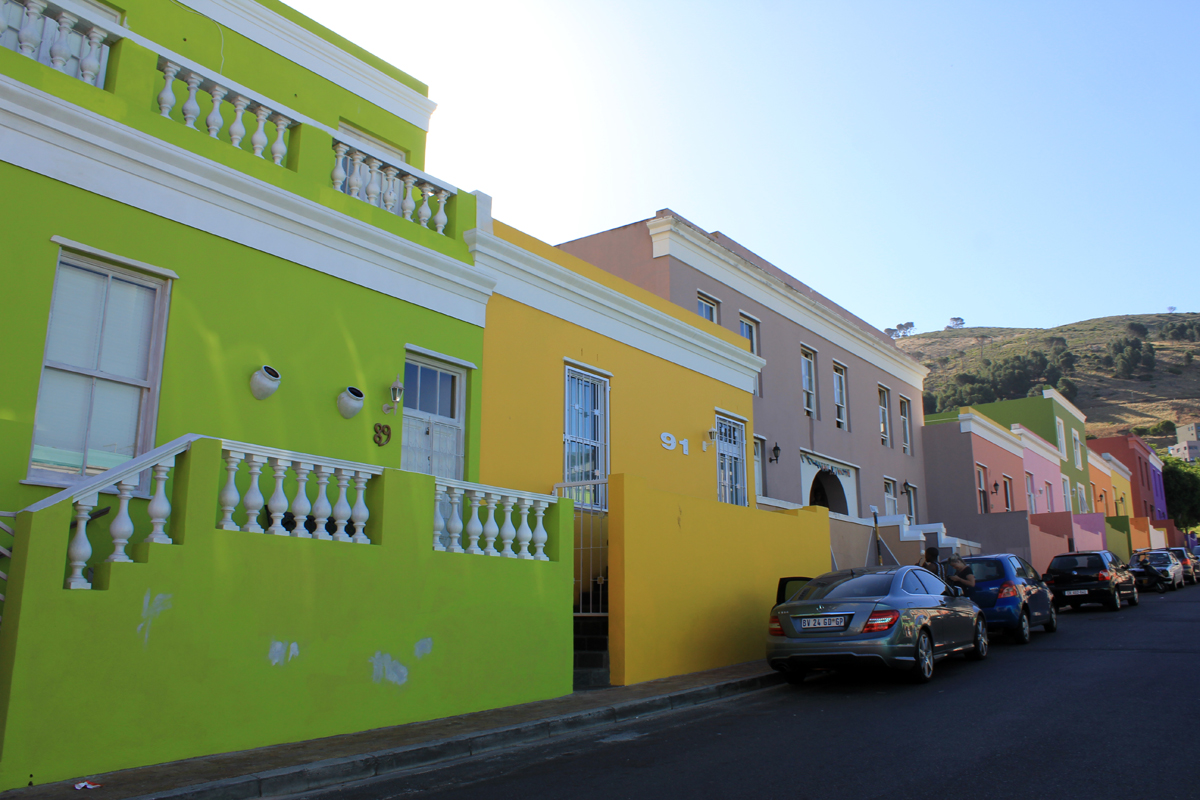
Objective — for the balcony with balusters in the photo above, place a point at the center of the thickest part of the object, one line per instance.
(110, 69)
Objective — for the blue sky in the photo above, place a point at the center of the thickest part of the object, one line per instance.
(1015, 164)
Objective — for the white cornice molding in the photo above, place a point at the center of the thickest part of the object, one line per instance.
(1053, 394)
(308, 50)
(989, 431)
(1155, 461)
(671, 237)
(50, 136)
(1031, 441)
(553, 289)
(1095, 460)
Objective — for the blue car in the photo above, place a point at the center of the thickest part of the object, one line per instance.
(1012, 595)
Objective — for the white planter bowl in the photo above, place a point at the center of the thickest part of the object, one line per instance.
(263, 382)
(350, 402)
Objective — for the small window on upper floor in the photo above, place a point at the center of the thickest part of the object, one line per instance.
(706, 307)
(749, 328)
(906, 425)
(1062, 438)
(808, 381)
(1078, 449)
(1008, 493)
(839, 397)
(885, 422)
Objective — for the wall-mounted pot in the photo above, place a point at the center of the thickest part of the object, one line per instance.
(350, 402)
(263, 382)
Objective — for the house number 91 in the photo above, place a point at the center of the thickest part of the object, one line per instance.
(669, 442)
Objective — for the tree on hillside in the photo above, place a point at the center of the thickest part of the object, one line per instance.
(955, 323)
(1008, 379)
(1181, 481)
(1137, 329)
(1170, 309)
(892, 332)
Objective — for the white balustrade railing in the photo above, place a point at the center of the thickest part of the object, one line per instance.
(58, 35)
(396, 188)
(498, 517)
(329, 521)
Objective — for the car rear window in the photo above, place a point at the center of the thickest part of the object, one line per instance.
(828, 587)
(1086, 561)
(987, 569)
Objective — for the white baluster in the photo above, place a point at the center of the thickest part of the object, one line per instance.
(389, 192)
(213, 121)
(440, 219)
(321, 508)
(373, 187)
(360, 513)
(29, 37)
(122, 526)
(89, 54)
(338, 176)
(258, 139)
(166, 98)
(507, 531)
(354, 182)
(160, 507)
(60, 51)
(253, 501)
(341, 509)
(439, 522)
(229, 497)
(408, 205)
(490, 529)
(474, 526)
(80, 549)
(454, 525)
(539, 532)
(237, 128)
(279, 148)
(300, 505)
(191, 109)
(423, 212)
(278, 502)
(524, 534)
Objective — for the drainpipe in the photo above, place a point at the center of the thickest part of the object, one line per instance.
(878, 547)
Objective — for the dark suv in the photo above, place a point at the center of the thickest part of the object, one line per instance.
(1190, 567)
(1091, 576)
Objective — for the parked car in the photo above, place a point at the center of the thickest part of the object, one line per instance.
(1090, 576)
(1191, 568)
(901, 617)
(1164, 560)
(1012, 595)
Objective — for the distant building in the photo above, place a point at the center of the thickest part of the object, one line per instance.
(1186, 433)
(1188, 450)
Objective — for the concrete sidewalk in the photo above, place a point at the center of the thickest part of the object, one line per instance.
(300, 766)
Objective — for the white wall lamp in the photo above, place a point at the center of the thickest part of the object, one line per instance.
(263, 382)
(397, 390)
(712, 434)
(350, 402)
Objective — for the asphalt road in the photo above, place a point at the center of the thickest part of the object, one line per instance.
(1099, 709)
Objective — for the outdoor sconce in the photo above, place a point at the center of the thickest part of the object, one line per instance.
(712, 434)
(263, 382)
(774, 459)
(995, 488)
(397, 393)
(350, 402)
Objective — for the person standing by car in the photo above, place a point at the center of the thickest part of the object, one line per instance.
(960, 574)
(930, 562)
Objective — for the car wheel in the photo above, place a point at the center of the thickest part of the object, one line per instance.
(1114, 603)
(1021, 634)
(980, 650)
(1133, 598)
(795, 676)
(1051, 625)
(924, 655)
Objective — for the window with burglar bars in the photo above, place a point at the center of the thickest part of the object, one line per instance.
(731, 462)
(585, 437)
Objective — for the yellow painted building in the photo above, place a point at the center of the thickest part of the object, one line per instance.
(588, 377)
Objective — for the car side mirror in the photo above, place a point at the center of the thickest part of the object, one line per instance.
(956, 591)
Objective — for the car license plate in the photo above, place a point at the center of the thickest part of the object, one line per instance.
(1073, 592)
(822, 622)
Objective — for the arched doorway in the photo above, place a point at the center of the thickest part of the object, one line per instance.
(826, 490)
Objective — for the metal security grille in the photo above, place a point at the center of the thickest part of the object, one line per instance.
(591, 545)
(585, 433)
(731, 462)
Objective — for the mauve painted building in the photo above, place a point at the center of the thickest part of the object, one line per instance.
(840, 401)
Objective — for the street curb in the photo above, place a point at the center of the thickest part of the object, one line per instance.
(333, 771)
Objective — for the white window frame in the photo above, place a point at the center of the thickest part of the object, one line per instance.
(906, 425)
(981, 489)
(1078, 450)
(760, 466)
(885, 413)
(746, 322)
(731, 458)
(1061, 430)
(1081, 498)
(1007, 482)
(712, 304)
(808, 380)
(891, 500)
(604, 446)
(910, 493)
(414, 418)
(1049, 493)
(840, 406)
(1030, 493)
(162, 281)
(1066, 490)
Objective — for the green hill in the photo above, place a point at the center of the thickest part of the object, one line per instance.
(1168, 391)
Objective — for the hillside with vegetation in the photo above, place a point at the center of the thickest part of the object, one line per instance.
(1137, 372)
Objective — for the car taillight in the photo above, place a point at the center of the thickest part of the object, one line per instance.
(1048, 579)
(773, 627)
(1007, 590)
(1103, 575)
(880, 621)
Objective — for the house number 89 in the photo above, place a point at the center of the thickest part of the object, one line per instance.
(383, 434)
